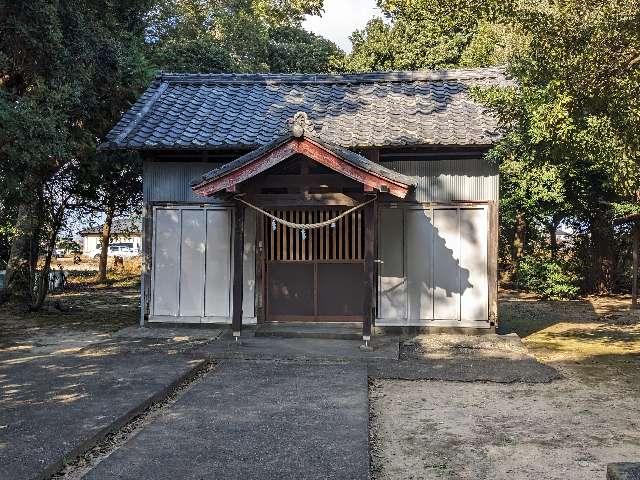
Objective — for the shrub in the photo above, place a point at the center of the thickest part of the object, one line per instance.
(552, 279)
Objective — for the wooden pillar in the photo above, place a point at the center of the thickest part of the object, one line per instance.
(634, 280)
(147, 261)
(492, 263)
(369, 269)
(238, 254)
(260, 268)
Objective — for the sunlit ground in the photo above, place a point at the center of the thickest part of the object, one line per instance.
(590, 329)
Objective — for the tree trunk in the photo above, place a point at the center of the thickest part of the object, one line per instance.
(43, 282)
(602, 269)
(552, 227)
(553, 241)
(23, 255)
(106, 233)
(519, 238)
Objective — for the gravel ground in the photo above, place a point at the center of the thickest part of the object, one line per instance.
(567, 430)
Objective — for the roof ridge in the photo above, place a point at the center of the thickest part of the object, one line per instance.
(342, 78)
(145, 108)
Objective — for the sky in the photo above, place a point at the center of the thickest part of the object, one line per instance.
(341, 18)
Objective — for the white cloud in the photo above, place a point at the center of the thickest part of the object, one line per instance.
(341, 18)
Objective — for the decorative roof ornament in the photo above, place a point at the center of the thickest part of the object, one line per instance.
(300, 125)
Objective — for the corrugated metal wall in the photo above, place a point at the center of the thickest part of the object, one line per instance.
(171, 182)
(473, 179)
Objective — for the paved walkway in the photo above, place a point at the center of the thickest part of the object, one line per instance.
(256, 420)
(271, 408)
(54, 407)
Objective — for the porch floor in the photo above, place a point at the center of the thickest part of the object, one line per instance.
(328, 330)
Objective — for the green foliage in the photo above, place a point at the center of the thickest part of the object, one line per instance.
(575, 113)
(551, 279)
(236, 36)
(292, 49)
(426, 34)
(196, 55)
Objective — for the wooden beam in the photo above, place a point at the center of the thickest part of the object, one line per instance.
(332, 161)
(302, 200)
(238, 254)
(147, 257)
(248, 170)
(369, 270)
(330, 180)
(492, 263)
(310, 149)
(634, 280)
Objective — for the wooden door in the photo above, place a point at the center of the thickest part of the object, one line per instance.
(315, 275)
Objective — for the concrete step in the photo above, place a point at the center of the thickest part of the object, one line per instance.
(328, 330)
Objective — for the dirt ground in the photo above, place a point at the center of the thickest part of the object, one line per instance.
(85, 312)
(568, 429)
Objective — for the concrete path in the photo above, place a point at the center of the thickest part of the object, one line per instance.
(54, 407)
(256, 420)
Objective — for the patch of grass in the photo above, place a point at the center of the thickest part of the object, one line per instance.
(590, 328)
(125, 276)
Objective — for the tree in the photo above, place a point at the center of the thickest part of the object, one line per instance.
(235, 36)
(421, 34)
(118, 192)
(66, 69)
(292, 49)
(576, 108)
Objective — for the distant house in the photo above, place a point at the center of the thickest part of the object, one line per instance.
(326, 198)
(563, 237)
(125, 233)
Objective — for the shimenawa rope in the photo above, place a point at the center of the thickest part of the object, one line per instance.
(304, 226)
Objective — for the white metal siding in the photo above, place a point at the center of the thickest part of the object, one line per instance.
(434, 270)
(218, 264)
(419, 246)
(192, 271)
(166, 264)
(392, 305)
(446, 267)
(471, 179)
(473, 259)
(192, 262)
(171, 181)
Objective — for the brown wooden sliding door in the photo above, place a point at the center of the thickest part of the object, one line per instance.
(317, 275)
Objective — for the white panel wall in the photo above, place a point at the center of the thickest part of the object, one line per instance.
(192, 262)
(446, 266)
(166, 262)
(434, 270)
(392, 287)
(218, 264)
(419, 246)
(192, 271)
(473, 259)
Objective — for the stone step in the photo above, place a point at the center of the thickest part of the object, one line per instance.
(327, 330)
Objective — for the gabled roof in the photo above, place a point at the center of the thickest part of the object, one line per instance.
(344, 161)
(198, 111)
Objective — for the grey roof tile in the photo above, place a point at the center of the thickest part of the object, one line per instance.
(356, 110)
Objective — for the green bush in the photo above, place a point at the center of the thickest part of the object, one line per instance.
(552, 279)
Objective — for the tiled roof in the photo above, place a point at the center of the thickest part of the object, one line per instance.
(199, 111)
(347, 155)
